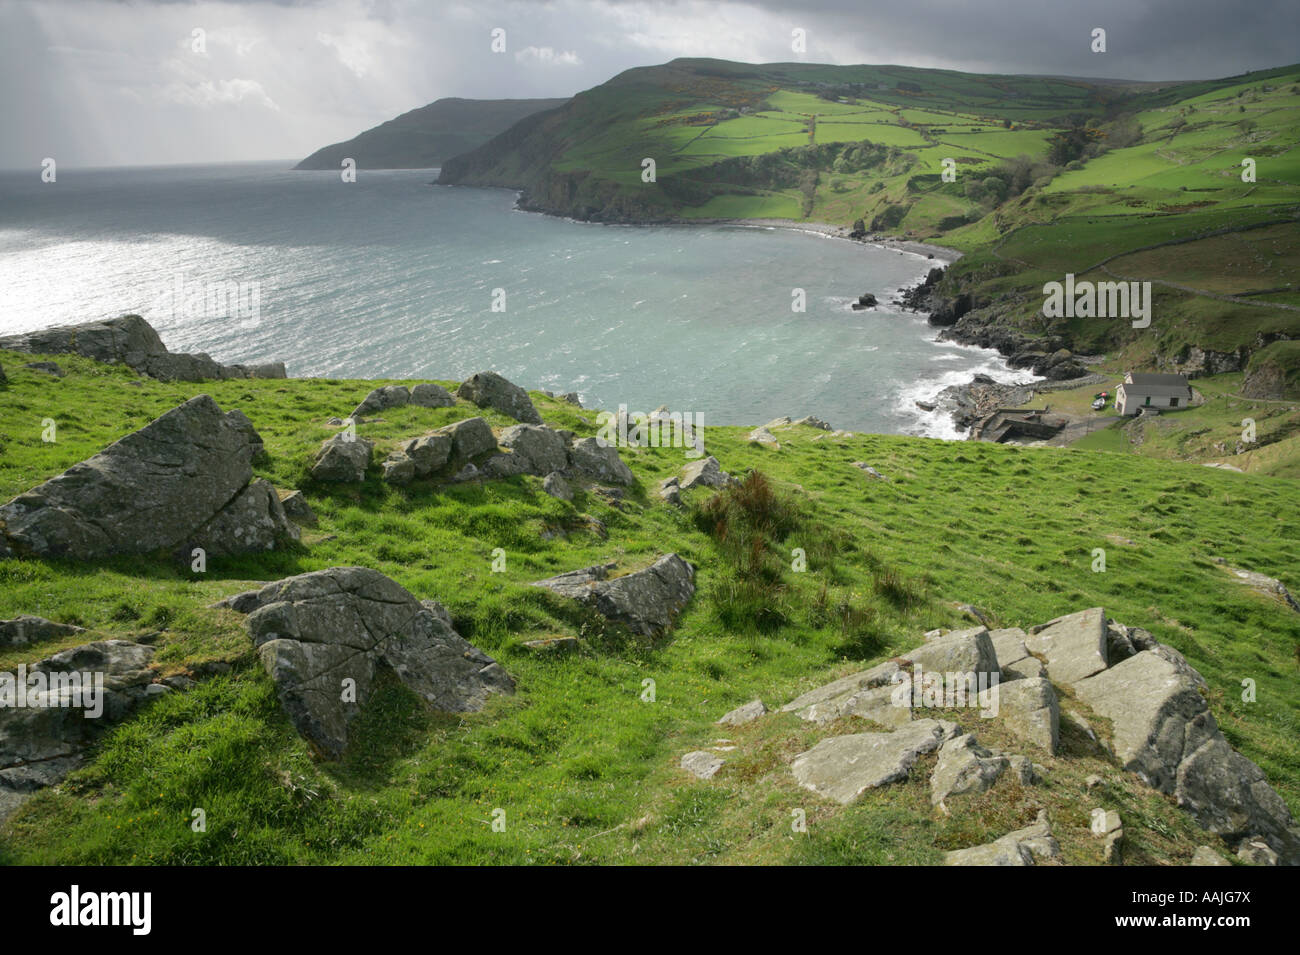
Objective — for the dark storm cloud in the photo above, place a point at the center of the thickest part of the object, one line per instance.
(108, 81)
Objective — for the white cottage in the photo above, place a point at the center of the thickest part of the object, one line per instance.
(1158, 392)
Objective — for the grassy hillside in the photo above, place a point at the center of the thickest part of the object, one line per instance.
(1108, 181)
(585, 770)
(422, 138)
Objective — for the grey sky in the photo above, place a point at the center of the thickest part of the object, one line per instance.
(108, 83)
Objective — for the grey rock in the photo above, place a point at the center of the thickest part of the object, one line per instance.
(670, 491)
(556, 486)
(1028, 708)
(572, 398)
(146, 492)
(1163, 731)
(883, 674)
(743, 714)
(343, 459)
(1074, 646)
(431, 452)
(1257, 852)
(765, 437)
(487, 389)
(533, 449)
(869, 471)
(470, 438)
(315, 630)
(1268, 586)
(962, 651)
(590, 459)
(398, 468)
(297, 509)
(49, 367)
(1204, 855)
(254, 521)
(887, 705)
(844, 767)
(703, 473)
(389, 396)
(812, 422)
(41, 744)
(703, 764)
(964, 767)
(430, 395)
(26, 629)
(1029, 846)
(646, 601)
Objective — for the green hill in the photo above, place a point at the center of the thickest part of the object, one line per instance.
(585, 769)
(1106, 180)
(423, 138)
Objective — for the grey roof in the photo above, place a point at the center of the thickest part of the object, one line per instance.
(1147, 378)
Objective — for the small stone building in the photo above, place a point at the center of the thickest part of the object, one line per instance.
(1158, 392)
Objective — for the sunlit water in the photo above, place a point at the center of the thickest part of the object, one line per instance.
(393, 277)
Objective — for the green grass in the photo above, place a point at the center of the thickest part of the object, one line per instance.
(585, 771)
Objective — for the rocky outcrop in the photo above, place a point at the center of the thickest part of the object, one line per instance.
(154, 489)
(1163, 731)
(325, 636)
(844, 767)
(964, 768)
(430, 395)
(44, 737)
(343, 459)
(487, 389)
(646, 601)
(743, 714)
(132, 341)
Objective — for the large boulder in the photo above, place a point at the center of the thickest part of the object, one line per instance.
(1074, 646)
(1162, 730)
(324, 637)
(533, 449)
(44, 737)
(146, 492)
(255, 520)
(646, 601)
(343, 459)
(881, 675)
(132, 341)
(590, 458)
(469, 439)
(844, 767)
(487, 389)
(431, 452)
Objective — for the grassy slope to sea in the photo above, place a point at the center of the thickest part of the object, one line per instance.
(583, 765)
